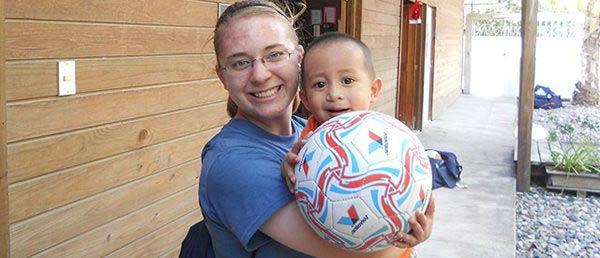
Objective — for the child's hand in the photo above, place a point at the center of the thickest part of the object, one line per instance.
(421, 226)
(289, 161)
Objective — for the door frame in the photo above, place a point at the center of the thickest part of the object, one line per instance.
(420, 71)
(420, 99)
(351, 17)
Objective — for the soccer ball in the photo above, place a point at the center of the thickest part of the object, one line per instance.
(360, 178)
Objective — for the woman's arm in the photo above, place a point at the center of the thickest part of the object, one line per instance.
(288, 227)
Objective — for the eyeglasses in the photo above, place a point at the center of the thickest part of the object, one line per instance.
(273, 59)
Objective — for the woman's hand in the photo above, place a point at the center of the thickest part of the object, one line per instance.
(421, 226)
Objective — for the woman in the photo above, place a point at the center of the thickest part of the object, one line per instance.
(248, 210)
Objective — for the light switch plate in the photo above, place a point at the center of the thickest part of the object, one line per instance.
(66, 78)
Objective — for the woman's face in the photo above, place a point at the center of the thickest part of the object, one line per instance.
(264, 90)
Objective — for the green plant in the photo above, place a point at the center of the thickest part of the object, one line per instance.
(576, 158)
(579, 150)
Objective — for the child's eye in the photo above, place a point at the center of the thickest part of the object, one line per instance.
(320, 84)
(347, 81)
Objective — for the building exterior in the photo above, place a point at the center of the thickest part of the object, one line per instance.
(113, 169)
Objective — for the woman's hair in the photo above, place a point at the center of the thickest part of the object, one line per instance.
(257, 7)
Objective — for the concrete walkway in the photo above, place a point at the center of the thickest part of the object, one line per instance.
(478, 221)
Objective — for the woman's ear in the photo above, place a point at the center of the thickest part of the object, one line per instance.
(375, 89)
(219, 73)
(300, 50)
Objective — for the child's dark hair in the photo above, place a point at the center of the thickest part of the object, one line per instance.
(335, 37)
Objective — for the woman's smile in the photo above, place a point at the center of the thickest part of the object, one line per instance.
(266, 93)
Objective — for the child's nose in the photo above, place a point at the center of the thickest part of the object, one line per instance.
(335, 93)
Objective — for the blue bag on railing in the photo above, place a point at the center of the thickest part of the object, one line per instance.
(545, 98)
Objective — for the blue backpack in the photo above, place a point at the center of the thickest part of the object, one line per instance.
(545, 98)
(197, 243)
(446, 171)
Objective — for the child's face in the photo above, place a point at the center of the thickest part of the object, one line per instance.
(336, 81)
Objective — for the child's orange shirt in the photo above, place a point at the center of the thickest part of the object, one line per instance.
(311, 125)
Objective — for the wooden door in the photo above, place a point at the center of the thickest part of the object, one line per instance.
(411, 74)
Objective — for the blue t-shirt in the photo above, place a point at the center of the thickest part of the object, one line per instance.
(241, 188)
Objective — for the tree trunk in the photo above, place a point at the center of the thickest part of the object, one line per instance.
(588, 92)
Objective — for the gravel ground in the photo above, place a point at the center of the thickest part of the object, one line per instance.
(585, 121)
(550, 224)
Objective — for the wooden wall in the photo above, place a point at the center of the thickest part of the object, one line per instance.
(112, 170)
(380, 31)
(448, 53)
(4, 232)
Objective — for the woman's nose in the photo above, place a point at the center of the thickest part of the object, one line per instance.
(259, 72)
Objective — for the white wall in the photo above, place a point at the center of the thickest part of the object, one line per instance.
(495, 65)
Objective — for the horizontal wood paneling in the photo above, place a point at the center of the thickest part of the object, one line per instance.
(384, 53)
(448, 53)
(165, 12)
(381, 33)
(391, 8)
(36, 39)
(385, 64)
(162, 240)
(34, 79)
(379, 41)
(379, 17)
(115, 166)
(51, 228)
(32, 197)
(173, 253)
(388, 75)
(4, 224)
(43, 117)
(388, 108)
(38, 157)
(219, 1)
(116, 234)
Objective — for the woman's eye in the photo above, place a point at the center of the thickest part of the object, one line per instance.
(240, 64)
(347, 80)
(275, 56)
(320, 85)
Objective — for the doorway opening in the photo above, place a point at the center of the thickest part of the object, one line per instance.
(330, 16)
